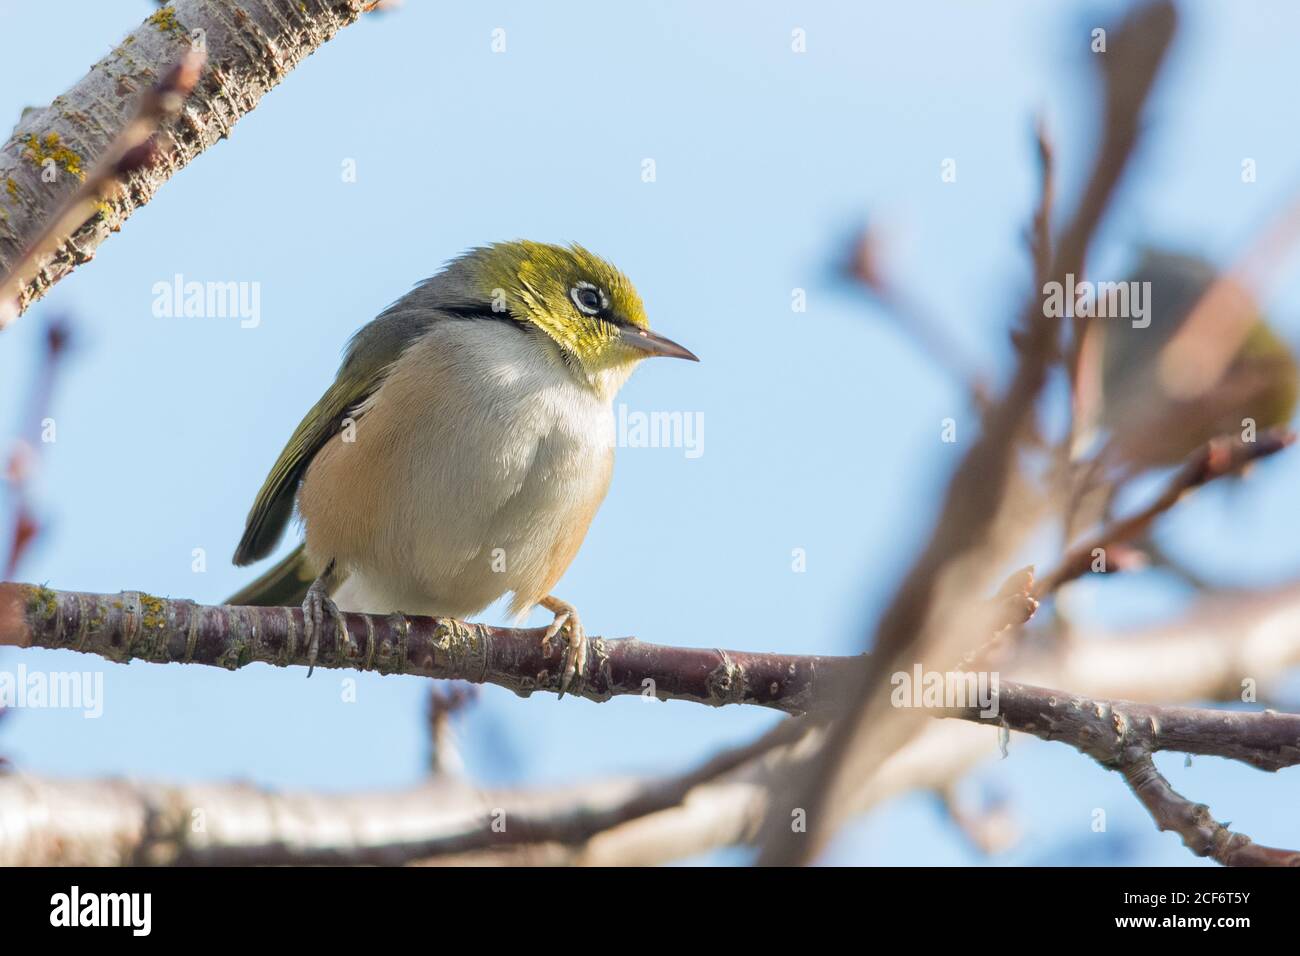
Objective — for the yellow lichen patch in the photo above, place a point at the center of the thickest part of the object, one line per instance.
(165, 19)
(42, 601)
(11, 187)
(155, 612)
(50, 147)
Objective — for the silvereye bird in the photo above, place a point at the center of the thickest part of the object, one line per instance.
(463, 448)
(1149, 419)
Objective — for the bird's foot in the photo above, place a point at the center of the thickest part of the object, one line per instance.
(574, 663)
(316, 606)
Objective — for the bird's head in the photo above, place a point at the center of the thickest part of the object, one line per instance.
(581, 303)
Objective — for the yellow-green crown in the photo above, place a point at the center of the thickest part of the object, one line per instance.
(573, 295)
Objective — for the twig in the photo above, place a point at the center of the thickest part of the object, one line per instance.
(22, 458)
(1115, 732)
(1218, 458)
(1013, 606)
(1041, 232)
(446, 698)
(1201, 833)
(1195, 359)
(989, 830)
(1122, 736)
(864, 267)
(23, 524)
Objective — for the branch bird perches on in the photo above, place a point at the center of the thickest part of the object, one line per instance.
(549, 827)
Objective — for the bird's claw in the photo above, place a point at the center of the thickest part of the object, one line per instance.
(574, 661)
(315, 607)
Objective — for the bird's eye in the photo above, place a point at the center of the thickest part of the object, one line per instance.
(589, 299)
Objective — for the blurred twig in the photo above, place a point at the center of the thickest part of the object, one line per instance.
(1195, 359)
(1040, 235)
(1220, 457)
(967, 540)
(23, 524)
(446, 699)
(23, 457)
(865, 268)
(116, 822)
(990, 829)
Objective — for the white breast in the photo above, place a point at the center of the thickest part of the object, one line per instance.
(478, 461)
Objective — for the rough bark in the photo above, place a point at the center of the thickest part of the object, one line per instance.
(136, 626)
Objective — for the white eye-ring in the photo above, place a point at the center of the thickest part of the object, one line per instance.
(588, 298)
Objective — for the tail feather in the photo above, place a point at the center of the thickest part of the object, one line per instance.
(284, 585)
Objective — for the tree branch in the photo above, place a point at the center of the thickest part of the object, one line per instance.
(119, 822)
(1122, 735)
(1201, 833)
(137, 626)
(132, 149)
(252, 45)
(1216, 459)
(1115, 733)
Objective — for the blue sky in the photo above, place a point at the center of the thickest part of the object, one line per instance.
(822, 427)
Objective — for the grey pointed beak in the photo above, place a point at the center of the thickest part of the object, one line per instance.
(652, 343)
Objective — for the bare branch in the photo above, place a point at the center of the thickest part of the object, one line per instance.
(23, 457)
(1122, 735)
(446, 699)
(1220, 457)
(1116, 732)
(137, 626)
(132, 150)
(1040, 236)
(863, 266)
(1201, 833)
(117, 822)
(252, 45)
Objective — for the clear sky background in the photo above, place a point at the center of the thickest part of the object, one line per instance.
(821, 428)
